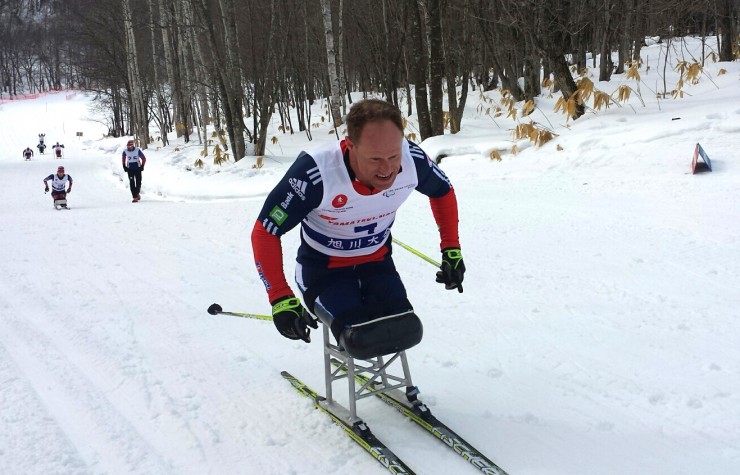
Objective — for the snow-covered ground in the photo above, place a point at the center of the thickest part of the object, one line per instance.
(598, 333)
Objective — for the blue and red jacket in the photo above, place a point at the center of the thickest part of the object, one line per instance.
(301, 191)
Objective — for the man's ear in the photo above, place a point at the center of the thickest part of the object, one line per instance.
(349, 143)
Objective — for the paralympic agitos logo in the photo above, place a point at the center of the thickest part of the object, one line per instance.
(339, 201)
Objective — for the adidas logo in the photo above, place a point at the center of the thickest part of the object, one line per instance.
(299, 186)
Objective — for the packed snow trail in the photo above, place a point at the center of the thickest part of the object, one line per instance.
(597, 333)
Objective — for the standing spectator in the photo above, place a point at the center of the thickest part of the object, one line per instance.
(133, 161)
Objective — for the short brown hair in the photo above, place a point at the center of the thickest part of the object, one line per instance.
(371, 110)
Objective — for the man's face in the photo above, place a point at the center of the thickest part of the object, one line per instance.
(376, 156)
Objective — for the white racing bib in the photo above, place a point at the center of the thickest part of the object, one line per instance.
(346, 223)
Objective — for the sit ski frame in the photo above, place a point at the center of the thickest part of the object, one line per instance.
(375, 372)
(371, 377)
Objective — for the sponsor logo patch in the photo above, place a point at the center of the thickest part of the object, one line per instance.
(288, 199)
(299, 186)
(278, 215)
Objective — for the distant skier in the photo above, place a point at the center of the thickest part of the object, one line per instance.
(58, 149)
(133, 161)
(59, 188)
(41, 139)
(28, 153)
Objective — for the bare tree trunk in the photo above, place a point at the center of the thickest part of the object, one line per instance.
(605, 65)
(436, 67)
(162, 109)
(340, 58)
(418, 69)
(202, 78)
(387, 81)
(169, 35)
(183, 72)
(137, 102)
(233, 77)
(331, 56)
(552, 45)
(458, 62)
(624, 37)
(227, 85)
(178, 14)
(726, 21)
(561, 74)
(265, 98)
(636, 39)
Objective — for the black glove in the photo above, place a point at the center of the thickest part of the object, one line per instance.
(69, 191)
(142, 169)
(125, 168)
(292, 320)
(46, 190)
(452, 270)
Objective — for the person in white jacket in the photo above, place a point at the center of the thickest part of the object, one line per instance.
(133, 161)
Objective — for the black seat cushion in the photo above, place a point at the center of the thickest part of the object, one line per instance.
(382, 336)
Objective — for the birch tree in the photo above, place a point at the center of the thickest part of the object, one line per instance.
(233, 114)
(343, 89)
(163, 113)
(436, 66)
(137, 101)
(232, 77)
(331, 58)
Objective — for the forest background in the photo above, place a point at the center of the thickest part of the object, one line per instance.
(217, 71)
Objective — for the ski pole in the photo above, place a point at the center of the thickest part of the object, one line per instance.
(215, 309)
(414, 251)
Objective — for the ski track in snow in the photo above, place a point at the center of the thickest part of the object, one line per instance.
(80, 408)
(661, 382)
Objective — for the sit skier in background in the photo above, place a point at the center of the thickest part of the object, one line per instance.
(345, 198)
(133, 161)
(61, 184)
(58, 149)
(41, 146)
(28, 153)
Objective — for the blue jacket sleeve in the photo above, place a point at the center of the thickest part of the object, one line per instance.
(295, 195)
(432, 180)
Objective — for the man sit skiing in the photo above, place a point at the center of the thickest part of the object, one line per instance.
(28, 153)
(59, 188)
(345, 198)
(58, 149)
